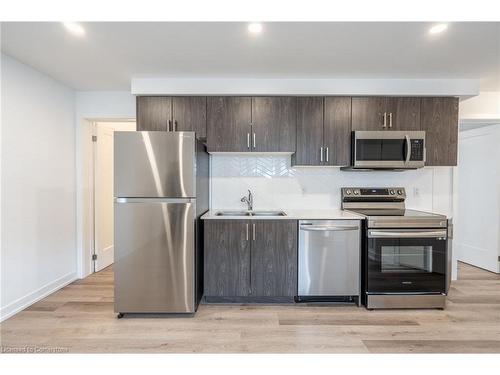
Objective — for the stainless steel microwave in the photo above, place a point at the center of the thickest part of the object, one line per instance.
(388, 149)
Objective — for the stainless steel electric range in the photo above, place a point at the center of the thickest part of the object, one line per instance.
(406, 253)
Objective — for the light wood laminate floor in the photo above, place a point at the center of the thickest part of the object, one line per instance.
(80, 318)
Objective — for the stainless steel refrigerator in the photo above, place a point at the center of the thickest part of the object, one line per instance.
(161, 190)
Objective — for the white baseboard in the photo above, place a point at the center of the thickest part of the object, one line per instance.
(29, 299)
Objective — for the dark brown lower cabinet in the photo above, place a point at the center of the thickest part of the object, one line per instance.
(227, 258)
(250, 260)
(274, 258)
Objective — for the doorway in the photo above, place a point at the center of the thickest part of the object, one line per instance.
(478, 227)
(103, 218)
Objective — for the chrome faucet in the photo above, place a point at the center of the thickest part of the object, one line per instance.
(248, 200)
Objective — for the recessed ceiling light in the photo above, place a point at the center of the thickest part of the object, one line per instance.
(439, 28)
(74, 28)
(255, 28)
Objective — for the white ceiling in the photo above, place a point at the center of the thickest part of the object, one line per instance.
(111, 53)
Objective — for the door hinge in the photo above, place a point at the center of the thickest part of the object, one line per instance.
(94, 138)
(94, 256)
(499, 258)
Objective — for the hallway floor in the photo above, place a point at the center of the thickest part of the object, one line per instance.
(79, 318)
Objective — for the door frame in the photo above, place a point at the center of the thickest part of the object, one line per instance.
(86, 194)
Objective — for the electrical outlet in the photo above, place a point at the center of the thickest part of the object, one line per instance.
(416, 192)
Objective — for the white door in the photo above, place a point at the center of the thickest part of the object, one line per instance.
(103, 190)
(478, 226)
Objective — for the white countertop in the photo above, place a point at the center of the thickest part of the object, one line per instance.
(333, 214)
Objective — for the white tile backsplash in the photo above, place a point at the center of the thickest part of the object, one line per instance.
(277, 185)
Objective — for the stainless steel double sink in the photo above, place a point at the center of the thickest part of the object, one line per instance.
(250, 213)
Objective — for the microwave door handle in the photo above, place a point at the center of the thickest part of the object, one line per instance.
(408, 149)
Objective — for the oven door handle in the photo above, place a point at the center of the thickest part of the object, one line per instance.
(328, 228)
(415, 234)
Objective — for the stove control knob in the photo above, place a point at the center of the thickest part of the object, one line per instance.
(356, 192)
(391, 192)
(400, 192)
(348, 191)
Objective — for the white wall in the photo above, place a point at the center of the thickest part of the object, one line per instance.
(485, 106)
(38, 186)
(92, 106)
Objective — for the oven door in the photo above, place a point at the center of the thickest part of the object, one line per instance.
(388, 149)
(406, 261)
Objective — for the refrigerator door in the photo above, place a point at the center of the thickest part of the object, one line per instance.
(154, 164)
(154, 255)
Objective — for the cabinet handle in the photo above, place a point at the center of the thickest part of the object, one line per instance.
(327, 152)
(174, 128)
(248, 140)
(253, 235)
(247, 231)
(254, 144)
(390, 120)
(384, 124)
(321, 154)
(169, 125)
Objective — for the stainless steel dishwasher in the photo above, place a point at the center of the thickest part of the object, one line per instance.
(329, 261)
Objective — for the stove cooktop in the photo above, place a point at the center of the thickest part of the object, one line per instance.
(385, 208)
(402, 219)
(396, 212)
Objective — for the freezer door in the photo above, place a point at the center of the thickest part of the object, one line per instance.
(154, 256)
(154, 164)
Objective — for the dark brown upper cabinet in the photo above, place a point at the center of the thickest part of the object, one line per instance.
(189, 113)
(309, 131)
(154, 113)
(403, 113)
(337, 131)
(385, 113)
(186, 113)
(274, 124)
(245, 124)
(439, 119)
(228, 123)
(323, 131)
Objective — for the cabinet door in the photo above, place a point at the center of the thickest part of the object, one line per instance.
(309, 131)
(274, 258)
(368, 113)
(190, 114)
(153, 112)
(439, 119)
(228, 123)
(274, 124)
(227, 258)
(405, 113)
(337, 130)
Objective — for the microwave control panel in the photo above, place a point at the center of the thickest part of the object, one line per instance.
(417, 149)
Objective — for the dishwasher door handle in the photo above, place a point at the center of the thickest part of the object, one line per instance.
(329, 228)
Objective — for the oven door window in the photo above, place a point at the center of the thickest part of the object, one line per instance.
(406, 265)
(407, 259)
